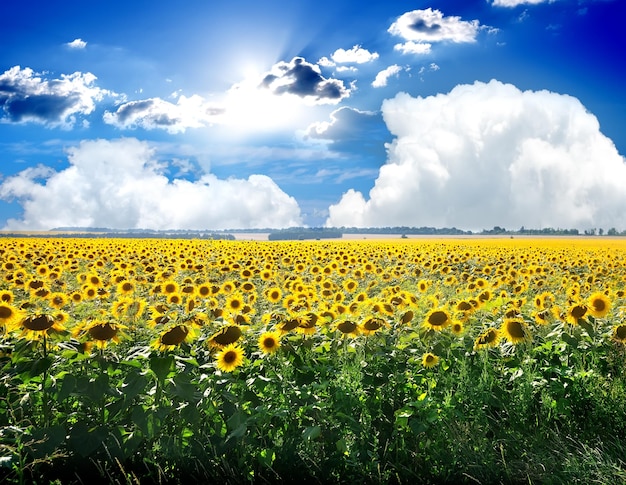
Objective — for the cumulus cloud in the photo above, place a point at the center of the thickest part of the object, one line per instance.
(345, 124)
(422, 27)
(356, 55)
(411, 47)
(120, 184)
(382, 77)
(77, 44)
(156, 113)
(490, 154)
(27, 96)
(305, 80)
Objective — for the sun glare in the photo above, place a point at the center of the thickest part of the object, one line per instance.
(249, 108)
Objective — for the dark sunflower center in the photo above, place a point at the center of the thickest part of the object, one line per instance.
(599, 305)
(516, 330)
(579, 311)
(227, 336)
(175, 335)
(230, 357)
(38, 323)
(347, 327)
(5, 312)
(105, 331)
(438, 318)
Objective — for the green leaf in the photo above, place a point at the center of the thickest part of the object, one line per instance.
(67, 387)
(85, 440)
(588, 327)
(570, 340)
(311, 433)
(161, 366)
(46, 440)
(134, 384)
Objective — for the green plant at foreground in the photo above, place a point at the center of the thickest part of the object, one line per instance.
(335, 409)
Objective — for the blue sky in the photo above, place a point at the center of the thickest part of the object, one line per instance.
(239, 114)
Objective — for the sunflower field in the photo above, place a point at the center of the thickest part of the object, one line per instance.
(415, 360)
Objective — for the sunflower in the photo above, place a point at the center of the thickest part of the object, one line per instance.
(599, 305)
(372, 325)
(227, 335)
(171, 337)
(407, 317)
(39, 325)
(6, 296)
(489, 338)
(350, 285)
(429, 360)
(100, 332)
(307, 323)
(93, 280)
(58, 300)
(269, 342)
(10, 316)
(175, 298)
(576, 312)
(125, 287)
(515, 330)
(619, 333)
(348, 328)
(204, 290)
(457, 328)
(234, 304)
(229, 358)
(169, 287)
(437, 319)
(286, 325)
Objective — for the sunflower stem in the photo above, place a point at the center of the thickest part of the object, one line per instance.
(44, 390)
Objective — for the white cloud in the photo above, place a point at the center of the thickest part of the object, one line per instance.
(382, 77)
(413, 48)
(26, 96)
(77, 44)
(422, 27)
(490, 154)
(515, 3)
(120, 184)
(356, 55)
(153, 113)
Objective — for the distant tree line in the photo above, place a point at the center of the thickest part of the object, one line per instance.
(300, 233)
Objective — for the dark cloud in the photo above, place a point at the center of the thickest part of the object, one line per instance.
(27, 96)
(305, 80)
(421, 26)
(132, 108)
(43, 107)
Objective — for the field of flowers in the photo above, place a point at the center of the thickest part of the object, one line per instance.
(415, 360)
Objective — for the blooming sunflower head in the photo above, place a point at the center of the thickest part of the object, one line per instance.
(229, 358)
(437, 319)
(429, 360)
(515, 330)
(619, 333)
(489, 338)
(10, 317)
(269, 342)
(172, 336)
(348, 328)
(599, 305)
(227, 335)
